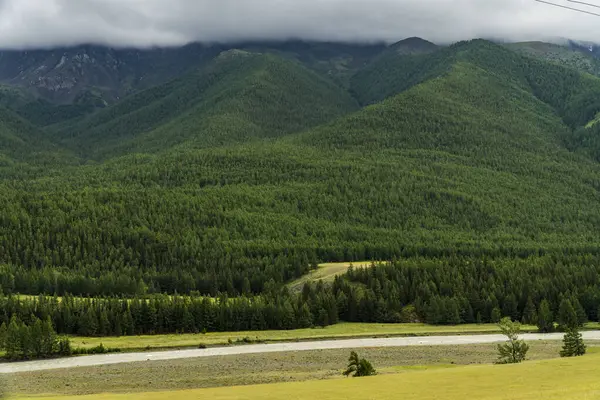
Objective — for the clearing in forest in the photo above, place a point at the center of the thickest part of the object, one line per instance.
(327, 272)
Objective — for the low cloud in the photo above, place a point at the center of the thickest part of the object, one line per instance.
(144, 23)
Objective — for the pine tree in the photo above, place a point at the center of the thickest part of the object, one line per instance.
(496, 315)
(36, 338)
(573, 345)
(530, 316)
(304, 318)
(88, 323)
(323, 318)
(358, 366)
(13, 343)
(48, 338)
(3, 331)
(545, 322)
(567, 316)
(515, 350)
(579, 311)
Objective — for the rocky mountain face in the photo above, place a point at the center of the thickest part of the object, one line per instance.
(84, 73)
(101, 76)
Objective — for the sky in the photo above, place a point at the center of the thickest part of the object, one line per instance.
(146, 23)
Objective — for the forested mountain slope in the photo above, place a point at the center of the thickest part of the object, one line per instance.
(24, 146)
(101, 76)
(466, 156)
(237, 97)
(558, 54)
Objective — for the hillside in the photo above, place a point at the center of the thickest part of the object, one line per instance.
(469, 159)
(400, 66)
(27, 145)
(558, 54)
(101, 76)
(237, 97)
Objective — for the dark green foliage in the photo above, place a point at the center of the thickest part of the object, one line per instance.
(514, 351)
(358, 367)
(36, 340)
(530, 315)
(567, 316)
(557, 54)
(238, 97)
(573, 345)
(173, 314)
(545, 317)
(240, 176)
(96, 75)
(438, 291)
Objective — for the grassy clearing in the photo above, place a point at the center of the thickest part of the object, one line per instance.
(326, 272)
(338, 331)
(252, 369)
(563, 379)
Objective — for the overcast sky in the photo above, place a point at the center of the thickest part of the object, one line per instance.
(47, 23)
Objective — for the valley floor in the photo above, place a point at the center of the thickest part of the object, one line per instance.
(337, 331)
(407, 373)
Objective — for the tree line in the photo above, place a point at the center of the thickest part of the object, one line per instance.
(38, 339)
(540, 291)
(536, 290)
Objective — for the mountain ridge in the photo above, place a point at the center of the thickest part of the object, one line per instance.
(469, 150)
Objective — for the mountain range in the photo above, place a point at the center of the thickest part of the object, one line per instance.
(208, 168)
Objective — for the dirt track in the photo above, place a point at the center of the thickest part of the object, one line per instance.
(119, 358)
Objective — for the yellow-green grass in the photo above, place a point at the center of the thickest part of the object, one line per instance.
(326, 272)
(564, 379)
(338, 331)
(252, 369)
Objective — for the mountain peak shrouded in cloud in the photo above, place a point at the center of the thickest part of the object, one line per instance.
(147, 23)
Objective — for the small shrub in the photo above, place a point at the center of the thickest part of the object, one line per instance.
(202, 346)
(359, 366)
(100, 349)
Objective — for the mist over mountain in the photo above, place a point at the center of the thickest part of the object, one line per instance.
(26, 24)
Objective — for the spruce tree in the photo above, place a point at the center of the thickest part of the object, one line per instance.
(36, 334)
(496, 315)
(567, 316)
(3, 330)
(573, 345)
(579, 311)
(48, 339)
(530, 313)
(358, 367)
(13, 342)
(545, 322)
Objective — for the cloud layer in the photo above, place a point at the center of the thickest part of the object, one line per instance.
(142, 23)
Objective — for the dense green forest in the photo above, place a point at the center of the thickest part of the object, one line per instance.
(442, 290)
(245, 173)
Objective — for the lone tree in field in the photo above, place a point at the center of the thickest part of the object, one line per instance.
(359, 367)
(515, 350)
(573, 345)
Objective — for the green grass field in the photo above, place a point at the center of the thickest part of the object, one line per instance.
(564, 379)
(338, 331)
(252, 369)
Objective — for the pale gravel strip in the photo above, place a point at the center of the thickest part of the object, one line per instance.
(119, 358)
